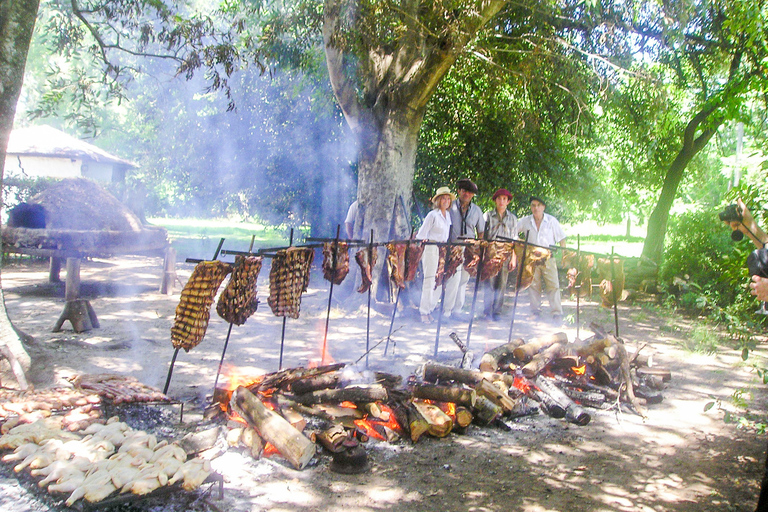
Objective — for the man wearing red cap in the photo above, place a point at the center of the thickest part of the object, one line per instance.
(498, 223)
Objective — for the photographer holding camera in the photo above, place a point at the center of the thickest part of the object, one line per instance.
(743, 223)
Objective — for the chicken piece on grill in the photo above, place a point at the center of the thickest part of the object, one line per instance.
(238, 300)
(288, 279)
(367, 261)
(193, 311)
(335, 261)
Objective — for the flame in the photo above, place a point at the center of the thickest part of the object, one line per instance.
(369, 428)
(579, 370)
(269, 449)
(522, 384)
(348, 405)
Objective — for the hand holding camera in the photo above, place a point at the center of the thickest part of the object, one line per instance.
(742, 222)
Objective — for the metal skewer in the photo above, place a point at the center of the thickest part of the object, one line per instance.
(474, 295)
(442, 294)
(330, 291)
(282, 335)
(397, 298)
(229, 331)
(519, 280)
(368, 320)
(176, 352)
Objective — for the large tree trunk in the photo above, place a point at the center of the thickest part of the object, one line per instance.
(17, 21)
(383, 88)
(711, 116)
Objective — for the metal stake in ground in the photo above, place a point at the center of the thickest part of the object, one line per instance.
(282, 334)
(519, 281)
(330, 291)
(176, 352)
(615, 299)
(474, 295)
(397, 298)
(580, 281)
(368, 320)
(442, 295)
(229, 331)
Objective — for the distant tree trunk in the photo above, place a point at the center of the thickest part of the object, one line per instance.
(17, 21)
(711, 117)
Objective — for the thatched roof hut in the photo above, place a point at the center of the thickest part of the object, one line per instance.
(82, 217)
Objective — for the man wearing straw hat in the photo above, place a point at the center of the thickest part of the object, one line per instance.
(466, 222)
(436, 228)
(544, 230)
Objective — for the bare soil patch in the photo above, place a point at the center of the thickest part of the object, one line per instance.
(680, 458)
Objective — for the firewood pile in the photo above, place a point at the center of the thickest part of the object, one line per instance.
(60, 438)
(335, 409)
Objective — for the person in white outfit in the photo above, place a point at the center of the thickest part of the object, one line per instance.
(436, 228)
(544, 230)
(466, 222)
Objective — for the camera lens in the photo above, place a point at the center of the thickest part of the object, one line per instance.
(737, 235)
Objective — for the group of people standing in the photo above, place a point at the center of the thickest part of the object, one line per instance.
(456, 217)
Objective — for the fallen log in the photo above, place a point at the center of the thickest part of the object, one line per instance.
(435, 372)
(572, 412)
(455, 394)
(490, 391)
(542, 359)
(275, 429)
(491, 360)
(356, 394)
(440, 424)
(486, 411)
(524, 353)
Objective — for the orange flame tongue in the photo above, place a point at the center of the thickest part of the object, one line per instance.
(579, 370)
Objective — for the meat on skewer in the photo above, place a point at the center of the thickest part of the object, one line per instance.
(288, 279)
(238, 300)
(367, 261)
(335, 266)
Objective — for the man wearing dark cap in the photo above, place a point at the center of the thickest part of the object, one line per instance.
(498, 223)
(544, 230)
(466, 222)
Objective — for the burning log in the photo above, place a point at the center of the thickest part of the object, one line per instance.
(453, 394)
(524, 353)
(559, 404)
(315, 383)
(439, 424)
(275, 429)
(542, 359)
(349, 394)
(493, 393)
(493, 359)
(332, 439)
(434, 372)
(284, 378)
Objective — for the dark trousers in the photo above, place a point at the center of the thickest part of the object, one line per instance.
(494, 292)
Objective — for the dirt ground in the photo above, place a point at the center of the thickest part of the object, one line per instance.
(679, 458)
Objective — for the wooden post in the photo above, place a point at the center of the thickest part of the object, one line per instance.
(54, 269)
(169, 272)
(79, 312)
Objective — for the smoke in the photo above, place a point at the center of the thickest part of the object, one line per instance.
(285, 154)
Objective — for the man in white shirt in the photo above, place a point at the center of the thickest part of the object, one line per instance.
(466, 222)
(544, 230)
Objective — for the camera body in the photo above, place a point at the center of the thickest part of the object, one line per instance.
(731, 213)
